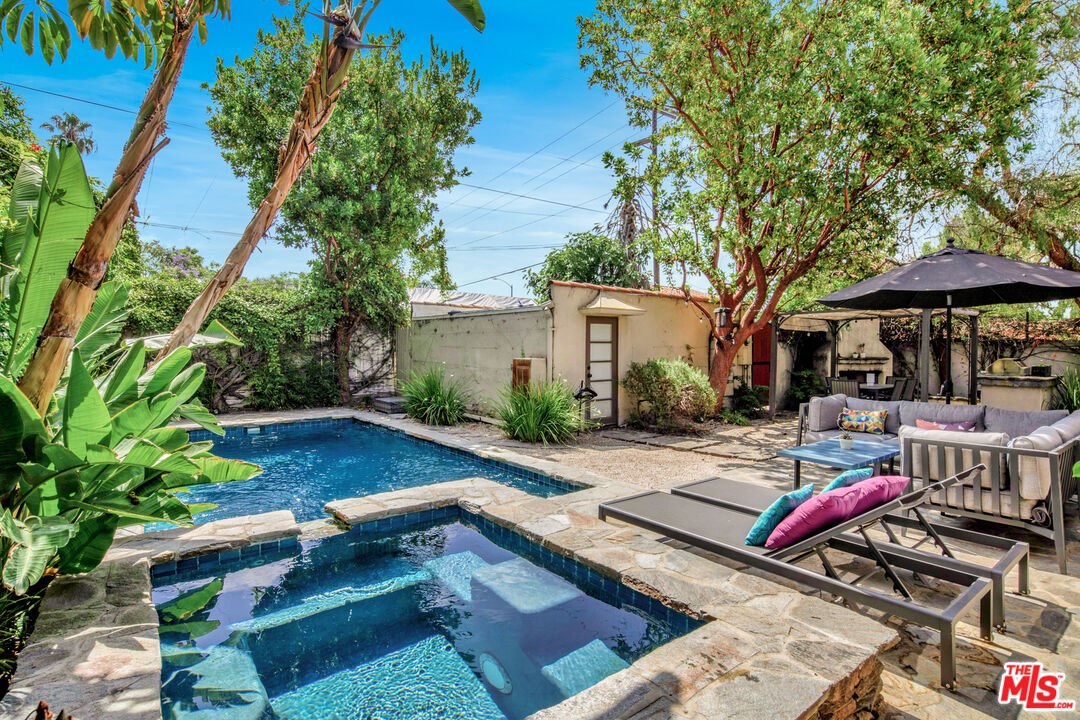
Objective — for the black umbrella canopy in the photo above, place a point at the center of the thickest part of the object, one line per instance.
(958, 277)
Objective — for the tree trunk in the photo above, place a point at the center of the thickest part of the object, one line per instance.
(342, 345)
(720, 369)
(316, 106)
(75, 296)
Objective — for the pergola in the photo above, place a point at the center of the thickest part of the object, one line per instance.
(833, 321)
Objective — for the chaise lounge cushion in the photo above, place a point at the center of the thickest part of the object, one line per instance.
(1035, 478)
(815, 515)
(967, 457)
(910, 411)
(775, 514)
(1016, 423)
(824, 412)
(1068, 427)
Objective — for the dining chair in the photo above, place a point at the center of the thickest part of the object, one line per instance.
(899, 387)
(843, 386)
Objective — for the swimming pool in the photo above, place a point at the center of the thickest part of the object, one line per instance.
(449, 617)
(307, 464)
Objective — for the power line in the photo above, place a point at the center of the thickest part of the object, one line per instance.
(531, 222)
(90, 102)
(537, 152)
(530, 197)
(494, 277)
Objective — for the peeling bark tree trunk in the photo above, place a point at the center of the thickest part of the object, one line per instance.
(316, 106)
(720, 370)
(75, 296)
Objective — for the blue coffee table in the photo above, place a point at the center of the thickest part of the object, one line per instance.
(830, 454)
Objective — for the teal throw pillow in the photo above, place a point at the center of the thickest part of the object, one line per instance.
(775, 514)
(849, 478)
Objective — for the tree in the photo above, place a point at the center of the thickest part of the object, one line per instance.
(171, 26)
(801, 129)
(589, 257)
(328, 75)
(17, 139)
(365, 208)
(69, 127)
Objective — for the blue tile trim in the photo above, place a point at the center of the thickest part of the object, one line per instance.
(235, 432)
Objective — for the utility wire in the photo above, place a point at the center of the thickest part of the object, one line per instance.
(494, 277)
(531, 222)
(90, 102)
(530, 197)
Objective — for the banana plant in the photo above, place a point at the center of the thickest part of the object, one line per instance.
(105, 459)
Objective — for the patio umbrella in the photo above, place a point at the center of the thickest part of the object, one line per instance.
(957, 277)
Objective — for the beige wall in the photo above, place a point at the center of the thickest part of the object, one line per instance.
(475, 348)
(667, 328)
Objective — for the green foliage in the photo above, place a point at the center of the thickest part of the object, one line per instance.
(669, 394)
(733, 417)
(543, 412)
(365, 207)
(747, 399)
(805, 384)
(591, 258)
(50, 209)
(129, 26)
(67, 127)
(433, 399)
(17, 138)
(799, 132)
(1068, 390)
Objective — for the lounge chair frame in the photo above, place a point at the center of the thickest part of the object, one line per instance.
(976, 590)
(1014, 553)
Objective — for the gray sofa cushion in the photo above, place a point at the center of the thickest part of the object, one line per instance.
(824, 412)
(911, 411)
(892, 410)
(813, 437)
(1017, 423)
(1068, 427)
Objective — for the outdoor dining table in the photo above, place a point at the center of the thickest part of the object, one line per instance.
(877, 388)
(863, 453)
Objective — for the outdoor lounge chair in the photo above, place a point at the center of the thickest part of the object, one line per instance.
(722, 530)
(753, 499)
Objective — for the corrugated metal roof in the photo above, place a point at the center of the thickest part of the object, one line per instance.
(467, 300)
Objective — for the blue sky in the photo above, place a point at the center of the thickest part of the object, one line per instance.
(533, 96)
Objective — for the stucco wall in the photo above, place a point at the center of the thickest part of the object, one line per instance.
(668, 328)
(476, 349)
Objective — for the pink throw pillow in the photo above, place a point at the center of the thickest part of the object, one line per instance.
(954, 427)
(835, 506)
(878, 491)
(815, 515)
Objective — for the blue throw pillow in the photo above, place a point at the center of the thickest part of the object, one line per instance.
(775, 514)
(849, 478)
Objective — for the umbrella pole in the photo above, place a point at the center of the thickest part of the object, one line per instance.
(947, 386)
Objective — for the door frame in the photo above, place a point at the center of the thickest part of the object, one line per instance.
(591, 320)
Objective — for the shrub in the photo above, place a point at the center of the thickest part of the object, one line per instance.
(733, 417)
(542, 412)
(432, 399)
(805, 384)
(748, 399)
(1068, 390)
(669, 393)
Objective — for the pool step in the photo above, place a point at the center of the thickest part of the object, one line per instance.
(391, 404)
(332, 600)
(227, 678)
(525, 587)
(456, 571)
(583, 668)
(427, 680)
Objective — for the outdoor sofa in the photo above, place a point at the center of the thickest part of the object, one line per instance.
(1029, 457)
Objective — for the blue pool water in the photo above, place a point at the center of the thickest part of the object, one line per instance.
(307, 465)
(437, 622)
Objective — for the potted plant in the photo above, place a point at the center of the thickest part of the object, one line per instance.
(846, 441)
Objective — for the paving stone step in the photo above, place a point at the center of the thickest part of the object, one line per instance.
(390, 405)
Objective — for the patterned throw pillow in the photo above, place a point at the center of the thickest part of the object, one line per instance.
(849, 477)
(955, 427)
(864, 421)
(775, 513)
